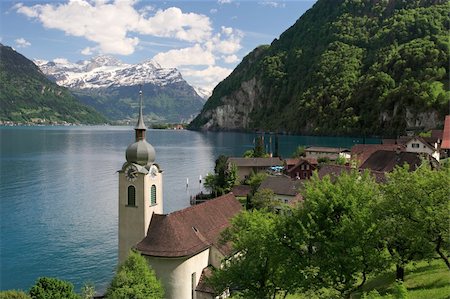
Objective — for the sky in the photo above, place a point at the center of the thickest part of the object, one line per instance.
(205, 40)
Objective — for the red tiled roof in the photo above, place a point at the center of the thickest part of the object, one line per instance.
(446, 135)
(191, 230)
(362, 152)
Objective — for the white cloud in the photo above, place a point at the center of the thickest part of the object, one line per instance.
(206, 78)
(87, 51)
(22, 43)
(195, 55)
(213, 11)
(273, 4)
(224, 1)
(230, 59)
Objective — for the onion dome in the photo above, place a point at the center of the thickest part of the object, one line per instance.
(141, 152)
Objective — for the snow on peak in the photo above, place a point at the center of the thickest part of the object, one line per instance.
(104, 71)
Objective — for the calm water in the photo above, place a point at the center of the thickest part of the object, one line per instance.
(58, 193)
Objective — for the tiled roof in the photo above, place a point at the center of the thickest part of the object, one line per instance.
(202, 286)
(255, 162)
(311, 161)
(191, 230)
(387, 160)
(363, 151)
(336, 170)
(241, 190)
(281, 185)
(326, 149)
(446, 135)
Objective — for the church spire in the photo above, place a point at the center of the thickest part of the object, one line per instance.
(140, 126)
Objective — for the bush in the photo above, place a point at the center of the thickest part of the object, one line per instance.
(13, 294)
(52, 288)
(135, 279)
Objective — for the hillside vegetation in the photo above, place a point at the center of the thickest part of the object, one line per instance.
(27, 96)
(345, 67)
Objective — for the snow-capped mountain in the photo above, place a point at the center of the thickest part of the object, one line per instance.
(105, 71)
(111, 87)
(204, 93)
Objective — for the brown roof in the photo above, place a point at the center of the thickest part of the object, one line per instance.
(202, 286)
(446, 135)
(387, 160)
(363, 151)
(310, 161)
(241, 190)
(255, 162)
(291, 161)
(326, 149)
(336, 170)
(437, 134)
(191, 230)
(282, 185)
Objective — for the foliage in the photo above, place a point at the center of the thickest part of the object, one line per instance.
(259, 150)
(248, 154)
(260, 264)
(323, 160)
(52, 288)
(13, 294)
(346, 67)
(135, 279)
(265, 200)
(88, 291)
(340, 160)
(299, 152)
(414, 214)
(224, 177)
(255, 179)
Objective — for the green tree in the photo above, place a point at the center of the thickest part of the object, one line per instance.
(249, 153)
(224, 177)
(135, 279)
(299, 152)
(259, 150)
(260, 265)
(265, 200)
(255, 179)
(52, 288)
(335, 224)
(414, 214)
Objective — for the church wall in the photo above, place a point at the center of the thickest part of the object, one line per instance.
(215, 257)
(176, 273)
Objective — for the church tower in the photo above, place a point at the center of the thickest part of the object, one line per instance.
(140, 189)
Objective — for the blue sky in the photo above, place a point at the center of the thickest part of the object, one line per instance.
(205, 40)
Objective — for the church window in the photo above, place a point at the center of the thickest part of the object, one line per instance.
(153, 195)
(131, 196)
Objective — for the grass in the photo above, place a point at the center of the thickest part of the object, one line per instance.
(423, 280)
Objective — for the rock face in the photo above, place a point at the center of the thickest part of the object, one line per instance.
(345, 67)
(111, 86)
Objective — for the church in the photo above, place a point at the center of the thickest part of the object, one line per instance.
(181, 246)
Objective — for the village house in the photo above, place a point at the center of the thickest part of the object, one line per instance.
(303, 169)
(418, 144)
(245, 166)
(179, 246)
(361, 152)
(286, 190)
(446, 136)
(331, 153)
(386, 161)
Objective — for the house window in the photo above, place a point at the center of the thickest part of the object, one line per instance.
(307, 167)
(131, 196)
(415, 145)
(193, 284)
(302, 167)
(153, 195)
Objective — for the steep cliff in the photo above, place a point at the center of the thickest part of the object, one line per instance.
(345, 67)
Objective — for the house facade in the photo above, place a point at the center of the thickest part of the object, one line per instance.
(303, 170)
(331, 153)
(245, 166)
(418, 144)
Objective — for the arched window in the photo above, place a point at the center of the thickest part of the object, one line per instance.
(153, 195)
(131, 196)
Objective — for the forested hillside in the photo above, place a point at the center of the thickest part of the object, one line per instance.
(27, 96)
(345, 67)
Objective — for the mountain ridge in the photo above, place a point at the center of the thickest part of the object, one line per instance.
(345, 67)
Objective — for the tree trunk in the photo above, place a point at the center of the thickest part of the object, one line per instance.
(400, 273)
(441, 254)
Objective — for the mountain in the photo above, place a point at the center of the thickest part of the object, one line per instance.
(111, 86)
(375, 67)
(27, 96)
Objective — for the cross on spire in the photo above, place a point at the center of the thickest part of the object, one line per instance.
(140, 126)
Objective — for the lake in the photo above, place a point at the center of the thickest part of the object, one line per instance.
(59, 192)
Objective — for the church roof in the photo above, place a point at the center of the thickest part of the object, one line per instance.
(191, 230)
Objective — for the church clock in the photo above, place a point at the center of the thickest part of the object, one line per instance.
(131, 173)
